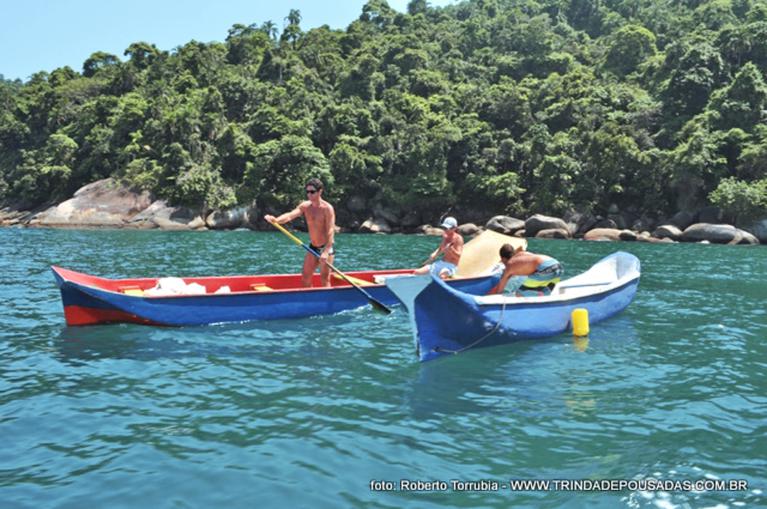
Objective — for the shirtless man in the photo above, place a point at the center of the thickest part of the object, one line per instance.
(451, 246)
(321, 222)
(542, 272)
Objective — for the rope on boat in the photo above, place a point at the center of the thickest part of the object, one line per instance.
(478, 341)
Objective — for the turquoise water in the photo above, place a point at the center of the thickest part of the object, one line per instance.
(305, 413)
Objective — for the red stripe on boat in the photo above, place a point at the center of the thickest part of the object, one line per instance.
(79, 315)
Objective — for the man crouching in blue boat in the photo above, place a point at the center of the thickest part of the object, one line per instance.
(321, 223)
(527, 274)
(451, 248)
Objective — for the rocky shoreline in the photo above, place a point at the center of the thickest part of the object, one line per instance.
(107, 204)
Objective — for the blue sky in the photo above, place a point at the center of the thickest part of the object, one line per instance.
(42, 35)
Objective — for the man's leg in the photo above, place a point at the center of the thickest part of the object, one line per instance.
(325, 271)
(423, 270)
(310, 265)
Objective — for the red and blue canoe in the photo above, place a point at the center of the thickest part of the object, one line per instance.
(92, 300)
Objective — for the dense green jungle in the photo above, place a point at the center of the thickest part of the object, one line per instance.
(514, 106)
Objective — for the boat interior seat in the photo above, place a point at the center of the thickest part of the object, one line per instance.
(131, 290)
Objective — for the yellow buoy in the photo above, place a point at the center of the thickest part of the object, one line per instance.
(580, 320)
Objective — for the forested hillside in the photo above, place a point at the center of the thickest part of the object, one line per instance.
(515, 106)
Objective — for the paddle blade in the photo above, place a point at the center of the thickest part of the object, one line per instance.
(379, 306)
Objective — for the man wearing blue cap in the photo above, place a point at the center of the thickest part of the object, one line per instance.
(451, 247)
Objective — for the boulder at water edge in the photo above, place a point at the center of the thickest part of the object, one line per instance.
(375, 225)
(611, 234)
(667, 231)
(427, 229)
(160, 215)
(468, 229)
(540, 222)
(104, 203)
(554, 233)
(717, 233)
(505, 224)
(747, 238)
(232, 218)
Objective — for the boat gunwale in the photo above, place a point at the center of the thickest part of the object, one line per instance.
(280, 291)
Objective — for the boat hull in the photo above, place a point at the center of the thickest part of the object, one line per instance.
(446, 321)
(86, 302)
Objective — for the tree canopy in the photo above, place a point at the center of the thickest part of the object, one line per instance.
(490, 106)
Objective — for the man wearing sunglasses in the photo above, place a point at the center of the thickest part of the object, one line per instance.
(321, 222)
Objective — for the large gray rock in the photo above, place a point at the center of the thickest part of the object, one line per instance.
(717, 233)
(643, 236)
(610, 234)
(10, 216)
(104, 203)
(375, 225)
(747, 238)
(667, 231)
(160, 215)
(579, 223)
(144, 218)
(166, 224)
(554, 233)
(430, 230)
(504, 224)
(540, 222)
(197, 223)
(628, 236)
(468, 229)
(228, 219)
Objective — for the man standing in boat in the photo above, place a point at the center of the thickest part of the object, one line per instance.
(451, 246)
(540, 273)
(321, 222)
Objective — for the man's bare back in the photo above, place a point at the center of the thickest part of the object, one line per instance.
(524, 263)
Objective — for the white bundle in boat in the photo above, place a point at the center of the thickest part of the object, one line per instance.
(174, 286)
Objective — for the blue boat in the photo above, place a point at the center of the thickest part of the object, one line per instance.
(446, 320)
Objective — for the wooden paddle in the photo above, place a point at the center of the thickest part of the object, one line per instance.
(378, 306)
